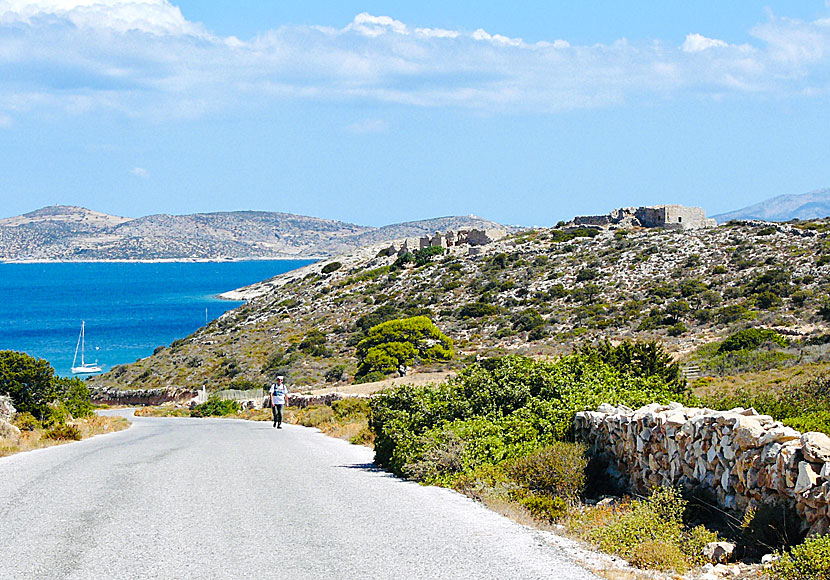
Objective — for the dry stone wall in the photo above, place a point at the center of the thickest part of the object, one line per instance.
(745, 459)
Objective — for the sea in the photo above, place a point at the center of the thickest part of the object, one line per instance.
(129, 309)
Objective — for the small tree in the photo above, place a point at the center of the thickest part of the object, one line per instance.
(28, 381)
(399, 342)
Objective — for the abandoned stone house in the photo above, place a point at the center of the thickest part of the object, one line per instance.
(450, 239)
(676, 217)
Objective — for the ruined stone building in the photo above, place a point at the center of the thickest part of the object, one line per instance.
(676, 217)
(451, 239)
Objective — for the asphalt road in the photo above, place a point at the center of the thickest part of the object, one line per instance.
(213, 498)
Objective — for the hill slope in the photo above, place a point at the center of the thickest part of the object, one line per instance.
(74, 233)
(538, 293)
(806, 206)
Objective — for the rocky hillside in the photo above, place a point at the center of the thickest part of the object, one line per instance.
(537, 292)
(806, 206)
(75, 233)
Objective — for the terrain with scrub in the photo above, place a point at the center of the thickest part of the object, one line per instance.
(537, 327)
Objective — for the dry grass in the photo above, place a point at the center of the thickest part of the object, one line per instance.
(766, 381)
(37, 439)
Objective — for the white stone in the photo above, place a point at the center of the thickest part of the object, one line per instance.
(8, 430)
(816, 447)
(748, 432)
(807, 477)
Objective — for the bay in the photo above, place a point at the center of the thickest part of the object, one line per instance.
(129, 308)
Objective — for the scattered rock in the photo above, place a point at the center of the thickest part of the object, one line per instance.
(7, 409)
(718, 552)
(816, 447)
(8, 430)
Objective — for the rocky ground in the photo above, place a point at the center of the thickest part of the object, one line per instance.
(537, 292)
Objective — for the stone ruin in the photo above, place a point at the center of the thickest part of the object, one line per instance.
(744, 459)
(675, 217)
(451, 239)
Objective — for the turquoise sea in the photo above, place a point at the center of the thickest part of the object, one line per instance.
(129, 308)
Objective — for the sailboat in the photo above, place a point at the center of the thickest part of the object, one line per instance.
(85, 368)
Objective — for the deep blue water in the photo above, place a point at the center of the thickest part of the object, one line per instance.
(129, 308)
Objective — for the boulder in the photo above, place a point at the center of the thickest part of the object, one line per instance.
(718, 552)
(748, 432)
(7, 409)
(816, 447)
(8, 430)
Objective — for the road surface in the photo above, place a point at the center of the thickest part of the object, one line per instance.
(218, 498)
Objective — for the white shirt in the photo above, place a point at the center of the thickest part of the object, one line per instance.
(278, 393)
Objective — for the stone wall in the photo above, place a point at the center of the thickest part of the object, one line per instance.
(113, 396)
(742, 458)
(678, 217)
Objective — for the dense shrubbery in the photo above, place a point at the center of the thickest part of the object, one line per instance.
(747, 350)
(751, 338)
(808, 561)
(477, 310)
(215, 407)
(500, 409)
(650, 533)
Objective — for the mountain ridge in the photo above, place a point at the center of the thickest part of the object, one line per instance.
(811, 205)
(73, 233)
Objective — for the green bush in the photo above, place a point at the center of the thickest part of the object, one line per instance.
(557, 470)
(63, 432)
(25, 421)
(28, 381)
(314, 343)
(751, 338)
(807, 561)
(400, 342)
(331, 267)
(424, 256)
(350, 408)
(314, 415)
(215, 407)
(527, 320)
(74, 394)
(335, 373)
(477, 310)
(542, 507)
(651, 534)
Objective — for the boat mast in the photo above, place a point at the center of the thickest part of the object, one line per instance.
(78, 344)
(83, 338)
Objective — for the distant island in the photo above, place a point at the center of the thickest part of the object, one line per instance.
(70, 233)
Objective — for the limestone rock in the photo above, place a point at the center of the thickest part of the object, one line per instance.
(807, 477)
(7, 409)
(748, 432)
(8, 430)
(816, 447)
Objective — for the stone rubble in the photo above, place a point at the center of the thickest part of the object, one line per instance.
(745, 459)
(7, 409)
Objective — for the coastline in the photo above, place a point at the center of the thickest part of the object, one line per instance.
(169, 260)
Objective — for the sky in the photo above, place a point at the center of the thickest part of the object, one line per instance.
(382, 112)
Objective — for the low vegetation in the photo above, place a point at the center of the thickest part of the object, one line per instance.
(33, 435)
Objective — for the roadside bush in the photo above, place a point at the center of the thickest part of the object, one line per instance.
(314, 415)
(807, 561)
(215, 407)
(28, 381)
(650, 533)
(25, 421)
(63, 433)
(557, 470)
(350, 408)
(74, 394)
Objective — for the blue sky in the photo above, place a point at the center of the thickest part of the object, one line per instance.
(380, 112)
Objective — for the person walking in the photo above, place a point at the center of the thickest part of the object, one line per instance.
(278, 392)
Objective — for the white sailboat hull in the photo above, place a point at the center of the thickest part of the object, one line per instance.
(87, 368)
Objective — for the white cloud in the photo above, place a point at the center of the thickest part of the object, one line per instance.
(5, 121)
(698, 43)
(140, 172)
(143, 58)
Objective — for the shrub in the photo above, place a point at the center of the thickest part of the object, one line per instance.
(335, 373)
(424, 256)
(557, 470)
(750, 339)
(215, 407)
(74, 394)
(25, 421)
(477, 310)
(732, 313)
(399, 342)
(63, 433)
(314, 415)
(314, 343)
(28, 381)
(678, 329)
(655, 523)
(808, 561)
(350, 408)
(331, 267)
(527, 320)
(587, 274)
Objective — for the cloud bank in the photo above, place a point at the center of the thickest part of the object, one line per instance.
(144, 58)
